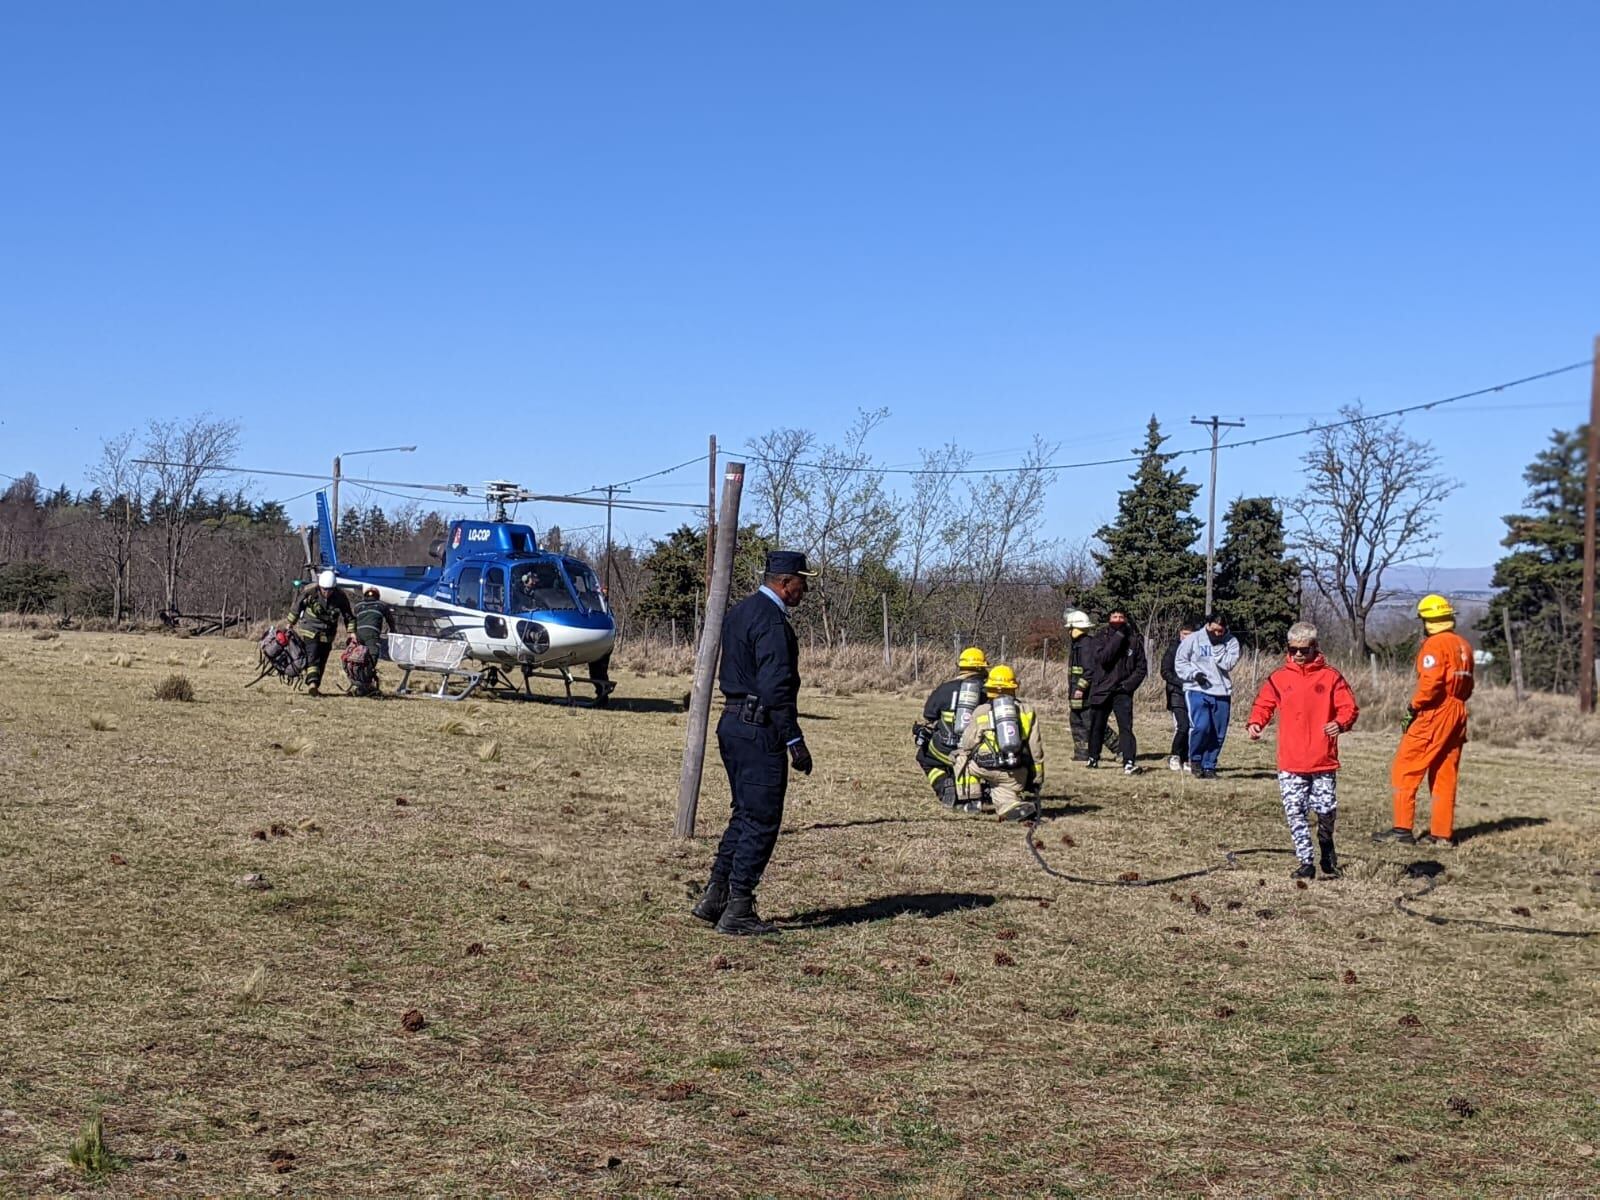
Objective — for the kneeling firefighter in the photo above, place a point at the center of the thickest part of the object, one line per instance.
(945, 716)
(317, 613)
(1003, 748)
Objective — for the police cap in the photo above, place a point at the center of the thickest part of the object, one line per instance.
(788, 562)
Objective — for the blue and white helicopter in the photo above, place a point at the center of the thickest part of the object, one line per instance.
(495, 603)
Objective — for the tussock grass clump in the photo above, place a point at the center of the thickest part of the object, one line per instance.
(122, 660)
(45, 635)
(101, 722)
(175, 687)
(452, 727)
(254, 989)
(293, 746)
(173, 660)
(204, 660)
(489, 751)
(88, 660)
(89, 1152)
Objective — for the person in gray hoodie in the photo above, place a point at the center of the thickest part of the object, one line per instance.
(1204, 663)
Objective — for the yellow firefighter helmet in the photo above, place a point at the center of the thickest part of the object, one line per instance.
(1001, 679)
(1434, 607)
(972, 659)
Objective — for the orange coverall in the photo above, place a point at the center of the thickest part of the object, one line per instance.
(1431, 746)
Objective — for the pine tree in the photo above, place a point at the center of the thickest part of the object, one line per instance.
(1147, 568)
(1542, 577)
(1257, 587)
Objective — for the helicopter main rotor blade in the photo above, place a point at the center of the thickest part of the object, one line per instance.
(454, 489)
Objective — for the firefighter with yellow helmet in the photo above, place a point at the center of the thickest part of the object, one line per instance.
(948, 710)
(1003, 747)
(1434, 730)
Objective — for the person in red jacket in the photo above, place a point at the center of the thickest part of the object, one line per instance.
(1314, 706)
(1434, 729)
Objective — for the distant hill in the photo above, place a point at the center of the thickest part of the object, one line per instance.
(1418, 580)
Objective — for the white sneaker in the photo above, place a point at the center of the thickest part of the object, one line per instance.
(1173, 764)
(1188, 768)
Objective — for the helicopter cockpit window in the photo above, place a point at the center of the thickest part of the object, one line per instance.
(467, 587)
(587, 586)
(539, 587)
(494, 589)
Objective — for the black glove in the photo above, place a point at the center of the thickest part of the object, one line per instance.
(800, 757)
(1202, 681)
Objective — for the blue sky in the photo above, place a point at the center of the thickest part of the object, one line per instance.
(563, 243)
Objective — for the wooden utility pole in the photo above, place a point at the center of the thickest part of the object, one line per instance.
(334, 515)
(1216, 425)
(1514, 653)
(711, 512)
(1586, 670)
(705, 663)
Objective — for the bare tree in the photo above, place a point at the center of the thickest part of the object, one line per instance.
(122, 481)
(181, 456)
(782, 480)
(1000, 527)
(1370, 503)
(932, 527)
(847, 521)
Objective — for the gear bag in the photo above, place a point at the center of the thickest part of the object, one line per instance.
(360, 669)
(284, 653)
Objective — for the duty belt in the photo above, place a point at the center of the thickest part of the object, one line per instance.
(749, 708)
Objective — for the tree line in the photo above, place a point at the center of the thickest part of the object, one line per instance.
(952, 555)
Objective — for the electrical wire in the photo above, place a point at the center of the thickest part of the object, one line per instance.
(1315, 427)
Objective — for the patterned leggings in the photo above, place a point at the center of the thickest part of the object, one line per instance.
(1319, 794)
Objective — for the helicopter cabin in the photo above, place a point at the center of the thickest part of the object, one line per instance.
(472, 538)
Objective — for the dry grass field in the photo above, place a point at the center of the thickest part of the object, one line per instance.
(473, 970)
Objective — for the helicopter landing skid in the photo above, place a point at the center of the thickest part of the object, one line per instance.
(497, 682)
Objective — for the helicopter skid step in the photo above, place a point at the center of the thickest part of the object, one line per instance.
(497, 683)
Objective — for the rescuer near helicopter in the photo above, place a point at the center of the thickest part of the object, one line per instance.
(759, 738)
(317, 613)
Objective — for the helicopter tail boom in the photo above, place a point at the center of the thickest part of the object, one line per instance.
(325, 543)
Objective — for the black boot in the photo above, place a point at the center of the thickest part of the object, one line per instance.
(1330, 860)
(740, 918)
(712, 902)
(1304, 871)
(946, 789)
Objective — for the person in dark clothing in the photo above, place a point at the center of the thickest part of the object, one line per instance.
(759, 738)
(1117, 668)
(1079, 639)
(317, 613)
(373, 618)
(1177, 705)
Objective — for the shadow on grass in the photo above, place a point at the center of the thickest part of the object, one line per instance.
(1503, 825)
(1048, 810)
(885, 908)
(1424, 868)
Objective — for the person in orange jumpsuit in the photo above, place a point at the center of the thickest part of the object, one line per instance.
(1434, 730)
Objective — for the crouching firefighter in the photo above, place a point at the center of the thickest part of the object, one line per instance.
(945, 717)
(317, 613)
(1003, 748)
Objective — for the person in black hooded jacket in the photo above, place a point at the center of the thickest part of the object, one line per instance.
(1119, 667)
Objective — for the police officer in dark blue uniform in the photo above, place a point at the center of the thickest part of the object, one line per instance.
(759, 737)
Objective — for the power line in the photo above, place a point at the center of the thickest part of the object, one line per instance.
(1314, 427)
(653, 475)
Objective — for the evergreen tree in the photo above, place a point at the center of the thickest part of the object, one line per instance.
(1542, 577)
(1257, 587)
(1147, 569)
(677, 567)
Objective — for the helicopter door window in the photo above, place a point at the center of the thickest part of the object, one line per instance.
(539, 587)
(467, 587)
(494, 590)
(587, 587)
